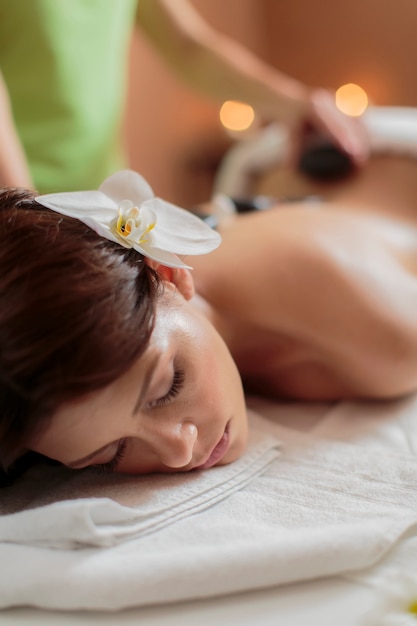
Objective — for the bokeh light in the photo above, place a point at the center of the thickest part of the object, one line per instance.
(236, 116)
(351, 99)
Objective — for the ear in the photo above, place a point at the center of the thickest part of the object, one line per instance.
(180, 277)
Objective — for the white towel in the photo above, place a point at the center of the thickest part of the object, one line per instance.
(320, 507)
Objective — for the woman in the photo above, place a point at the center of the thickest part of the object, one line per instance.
(108, 360)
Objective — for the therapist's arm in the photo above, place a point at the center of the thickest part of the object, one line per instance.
(14, 170)
(221, 68)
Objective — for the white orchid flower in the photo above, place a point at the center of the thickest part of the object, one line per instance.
(396, 596)
(124, 209)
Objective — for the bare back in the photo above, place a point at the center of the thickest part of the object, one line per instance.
(317, 301)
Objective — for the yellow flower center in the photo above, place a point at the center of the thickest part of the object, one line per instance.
(412, 608)
(145, 232)
(124, 223)
(130, 222)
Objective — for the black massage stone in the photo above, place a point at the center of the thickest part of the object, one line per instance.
(325, 162)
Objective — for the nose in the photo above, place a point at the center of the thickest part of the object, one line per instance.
(173, 443)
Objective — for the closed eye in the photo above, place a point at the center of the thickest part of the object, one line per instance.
(177, 384)
(112, 465)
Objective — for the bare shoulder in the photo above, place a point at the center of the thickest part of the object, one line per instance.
(297, 251)
(320, 244)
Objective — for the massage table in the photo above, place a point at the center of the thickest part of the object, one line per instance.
(350, 468)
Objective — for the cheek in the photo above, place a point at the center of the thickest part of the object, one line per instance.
(139, 460)
(219, 379)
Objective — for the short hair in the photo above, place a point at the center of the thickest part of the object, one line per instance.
(76, 311)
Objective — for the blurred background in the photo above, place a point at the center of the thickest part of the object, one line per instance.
(176, 139)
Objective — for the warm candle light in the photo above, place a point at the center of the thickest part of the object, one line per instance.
(236, 116)
(351, 99)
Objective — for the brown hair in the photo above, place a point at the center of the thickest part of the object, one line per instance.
(76, 311)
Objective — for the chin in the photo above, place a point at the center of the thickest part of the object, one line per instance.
(238, 445)
(234, 453)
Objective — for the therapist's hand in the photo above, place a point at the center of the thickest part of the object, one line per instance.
(320, 116)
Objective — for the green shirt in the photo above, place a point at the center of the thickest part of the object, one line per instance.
(65, 65)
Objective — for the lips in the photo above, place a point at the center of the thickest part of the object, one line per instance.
(218, 451)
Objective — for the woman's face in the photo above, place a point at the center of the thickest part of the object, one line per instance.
(179, 407)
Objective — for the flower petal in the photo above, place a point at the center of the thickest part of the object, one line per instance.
(161, 256)
(104, 231)
(148, 216)
(81, 204)
(127, 185)
(180, 231)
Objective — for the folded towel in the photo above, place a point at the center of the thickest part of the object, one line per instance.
(392, 130)
(383, 425)
(316, 508)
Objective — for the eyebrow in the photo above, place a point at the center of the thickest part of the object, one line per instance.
(79, 463)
